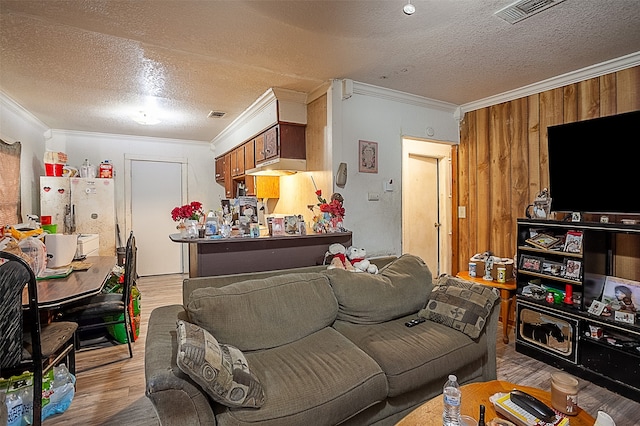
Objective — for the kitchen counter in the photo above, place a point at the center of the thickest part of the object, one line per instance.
(223, 256)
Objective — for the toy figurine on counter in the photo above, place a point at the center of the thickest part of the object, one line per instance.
(488, 267)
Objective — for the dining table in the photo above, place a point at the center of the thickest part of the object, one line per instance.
(86, 279)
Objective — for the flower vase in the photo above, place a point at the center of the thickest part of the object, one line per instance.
(335, 224)
(191, 228)
(182, 229)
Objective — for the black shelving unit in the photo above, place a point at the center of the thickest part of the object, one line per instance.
(592, 346)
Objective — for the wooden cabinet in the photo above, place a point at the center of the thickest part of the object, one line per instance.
(229, 191)
(250, 185)
(249, 155)
(282, 140)
(237, 162)
(220, 170)
(570, 332)
(259, 148)
(271, 143)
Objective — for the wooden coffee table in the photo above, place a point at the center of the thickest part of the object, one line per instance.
(474, 394)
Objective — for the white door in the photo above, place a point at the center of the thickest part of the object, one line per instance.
(426, 202)
(422, 230)
(156, 188)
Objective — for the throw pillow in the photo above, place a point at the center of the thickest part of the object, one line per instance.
(401, 288)
(221, 370)
(460, 304)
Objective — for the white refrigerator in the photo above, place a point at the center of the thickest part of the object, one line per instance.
(81, 206)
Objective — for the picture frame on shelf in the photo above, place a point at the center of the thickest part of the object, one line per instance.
(625, 316)
(621, 294)
(573, 242)
(291, 225)
(596, 308)
(530, 263)
(277, 226)
(573, 269)
(555, 269)
(543, 241)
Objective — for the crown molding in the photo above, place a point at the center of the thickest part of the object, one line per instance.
(11, 104)
(592, 71)
(119, 137)
(402, 97)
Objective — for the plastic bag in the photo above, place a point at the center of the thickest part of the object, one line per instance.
(37, 251)
(58, 390)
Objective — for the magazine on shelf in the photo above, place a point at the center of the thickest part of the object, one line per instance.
(543, 241)
(573, 242)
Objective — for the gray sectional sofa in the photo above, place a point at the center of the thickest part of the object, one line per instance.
(326, 347)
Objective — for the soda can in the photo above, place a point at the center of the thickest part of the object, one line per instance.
(502, 274)
(472, 269)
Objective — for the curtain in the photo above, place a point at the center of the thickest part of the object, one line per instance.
(10, 183)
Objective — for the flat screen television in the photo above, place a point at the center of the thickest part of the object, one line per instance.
(594, 166)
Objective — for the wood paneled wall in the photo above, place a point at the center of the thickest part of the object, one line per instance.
(502, 157)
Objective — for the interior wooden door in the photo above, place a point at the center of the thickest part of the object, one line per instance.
(421, 232)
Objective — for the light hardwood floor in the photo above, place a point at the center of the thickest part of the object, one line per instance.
(110, 386)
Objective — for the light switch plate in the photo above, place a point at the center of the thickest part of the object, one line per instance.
(462, 212)
(373, 196)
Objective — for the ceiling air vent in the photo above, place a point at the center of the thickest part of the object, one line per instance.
(216, 114)
(523, 9)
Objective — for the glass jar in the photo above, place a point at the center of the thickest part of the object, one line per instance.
(564, 393)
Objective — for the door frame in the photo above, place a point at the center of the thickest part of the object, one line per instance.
(441, 151)
(184, 168)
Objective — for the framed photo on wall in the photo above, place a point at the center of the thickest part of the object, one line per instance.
(368, 157)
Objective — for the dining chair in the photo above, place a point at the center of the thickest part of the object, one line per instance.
(25, 343)
(107, 309)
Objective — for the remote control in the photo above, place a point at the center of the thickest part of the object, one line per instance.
(414, 321)
(532, 405)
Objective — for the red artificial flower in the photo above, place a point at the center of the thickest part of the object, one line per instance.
(191, 211)
(334, 208)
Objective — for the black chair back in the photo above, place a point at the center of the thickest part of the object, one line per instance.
(130, 277)
(15, 272)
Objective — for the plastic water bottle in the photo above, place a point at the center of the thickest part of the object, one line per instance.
(452, 399)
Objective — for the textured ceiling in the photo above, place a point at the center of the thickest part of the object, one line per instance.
(88, 65)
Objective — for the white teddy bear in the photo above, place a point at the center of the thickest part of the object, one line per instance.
(356, 256)
(339, 259)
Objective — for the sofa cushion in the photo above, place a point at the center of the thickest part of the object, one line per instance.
(221, 370)
(460, 304)
(243, 314)
(321, 379)
(400, 288)
(412, 357)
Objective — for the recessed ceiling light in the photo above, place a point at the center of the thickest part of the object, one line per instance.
(145, 118)
(409, 9)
